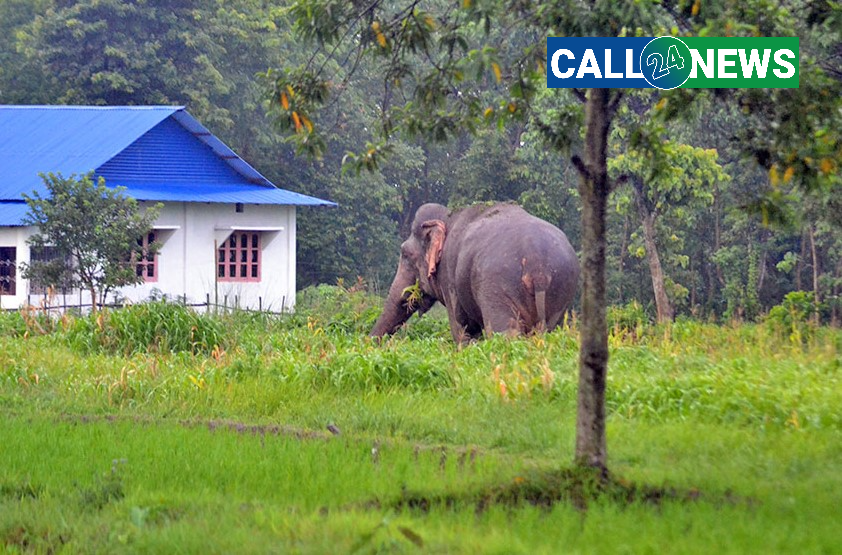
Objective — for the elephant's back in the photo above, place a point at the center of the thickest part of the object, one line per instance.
(510, 245)
(509, 229)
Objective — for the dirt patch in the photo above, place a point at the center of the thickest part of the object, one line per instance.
(546, 489)
(465, 456)
(212, 425)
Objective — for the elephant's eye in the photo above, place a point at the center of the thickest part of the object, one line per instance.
(407, 253)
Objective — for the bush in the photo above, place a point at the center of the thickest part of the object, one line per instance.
(28, 321)
(156, 326)
(336, 308)
(629, 318)
(793, 316)
(12, 323)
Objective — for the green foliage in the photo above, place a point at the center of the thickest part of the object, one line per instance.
(106, 489)
(795, 317)
(628, 318)
(206, 55)
(351, 310)
(152, 327)
(155, 445)
(12, 323)
(94, 230)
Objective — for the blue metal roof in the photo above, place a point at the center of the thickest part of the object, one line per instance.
(232, 193)
(12, 213)
(158, 153)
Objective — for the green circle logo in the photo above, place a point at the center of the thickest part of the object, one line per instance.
(665, 63)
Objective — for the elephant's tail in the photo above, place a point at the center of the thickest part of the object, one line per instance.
(537, 282)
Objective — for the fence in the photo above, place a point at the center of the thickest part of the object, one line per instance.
(58, 302)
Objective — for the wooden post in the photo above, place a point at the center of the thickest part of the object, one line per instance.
(215, 276)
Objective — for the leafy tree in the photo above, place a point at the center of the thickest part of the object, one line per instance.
(115, 52)
(397, 77)
(94, 230)
(688, 176)
(440, 66)
(20, 78)
(487, 171)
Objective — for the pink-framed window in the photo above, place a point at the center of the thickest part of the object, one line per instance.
(147, 266)
(238, 258)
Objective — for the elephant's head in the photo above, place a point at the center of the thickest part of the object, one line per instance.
(420, 255)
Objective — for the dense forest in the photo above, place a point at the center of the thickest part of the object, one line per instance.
(704, 236)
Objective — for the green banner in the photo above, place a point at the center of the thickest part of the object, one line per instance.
(742, 63)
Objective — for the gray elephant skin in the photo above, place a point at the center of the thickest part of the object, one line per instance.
(497, 269)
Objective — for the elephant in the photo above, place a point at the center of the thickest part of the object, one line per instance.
(496, 269)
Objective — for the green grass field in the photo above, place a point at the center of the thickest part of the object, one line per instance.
(157, 430)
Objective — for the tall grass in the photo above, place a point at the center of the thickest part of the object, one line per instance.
(167, 356)
(153, 429)
(155, 327)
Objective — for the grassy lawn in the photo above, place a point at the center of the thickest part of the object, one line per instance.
(156, 430)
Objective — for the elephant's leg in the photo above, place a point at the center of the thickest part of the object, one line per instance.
(457, 330)
(462, 328)
(554, 320)
(499, 316)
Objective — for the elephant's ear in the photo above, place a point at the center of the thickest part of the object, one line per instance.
(434, 232)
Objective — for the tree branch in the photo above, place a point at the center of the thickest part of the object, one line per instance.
(614, 104)
(580, 165)
(622, 179)
(579, 94)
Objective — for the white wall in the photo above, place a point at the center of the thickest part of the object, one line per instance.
(187, 259)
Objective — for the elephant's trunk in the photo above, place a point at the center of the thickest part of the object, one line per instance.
(395, 309)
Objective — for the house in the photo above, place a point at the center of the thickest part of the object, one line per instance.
(226, 232)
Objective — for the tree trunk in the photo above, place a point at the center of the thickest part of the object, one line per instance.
(717, 236)
(593, 351)
(815, 259)
(623, 248)
(93, 300)
(799, 265)
(662, 301)
(693, 285)
(834, 315)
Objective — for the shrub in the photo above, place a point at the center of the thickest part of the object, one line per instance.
(629, 318)
(334, 307)
(792, 316)
(12, 323)
(156, 326)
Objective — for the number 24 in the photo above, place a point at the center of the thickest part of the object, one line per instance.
(674, 59)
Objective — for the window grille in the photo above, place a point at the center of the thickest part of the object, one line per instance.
(8, 270)
(147, 266)
(238, 259)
